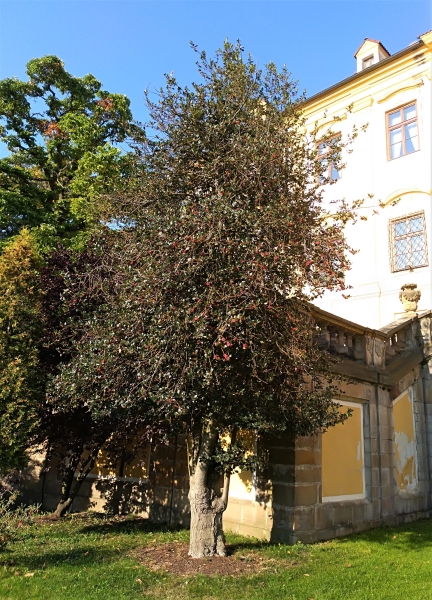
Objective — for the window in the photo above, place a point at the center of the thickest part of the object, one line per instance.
(408, 242)
(402, 131)
(329, 157)
(367, 62)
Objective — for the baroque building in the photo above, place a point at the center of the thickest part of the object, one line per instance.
(377, 467)
(390, 168)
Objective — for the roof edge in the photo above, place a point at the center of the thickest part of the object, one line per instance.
(375, 42)
(384, 332)
(370, 69)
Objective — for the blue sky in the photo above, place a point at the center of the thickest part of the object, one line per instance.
(130, 44)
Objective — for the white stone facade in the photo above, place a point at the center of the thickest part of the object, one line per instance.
(402, 184)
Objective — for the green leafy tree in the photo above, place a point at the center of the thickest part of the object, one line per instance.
(63, 134)
(21, 381)
(228, 243)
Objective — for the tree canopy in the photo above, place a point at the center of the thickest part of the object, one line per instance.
(65, 136)
(228, 242)
(73, 287)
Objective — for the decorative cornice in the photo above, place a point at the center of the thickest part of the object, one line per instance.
(398, 90)
(320, 314)
(426, 38)
(397, 195)
(331, 122)
(361, 104)
(420, 75)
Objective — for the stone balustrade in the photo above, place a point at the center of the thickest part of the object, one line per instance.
(375, 348)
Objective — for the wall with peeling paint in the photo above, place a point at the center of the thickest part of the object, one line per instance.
(405, 442)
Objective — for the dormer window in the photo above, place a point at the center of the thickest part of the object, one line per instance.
(367, 62)
(370, 53)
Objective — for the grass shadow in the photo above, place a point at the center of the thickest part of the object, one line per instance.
(253, 544)
(415, 536)
(131, 524)
(74, 558)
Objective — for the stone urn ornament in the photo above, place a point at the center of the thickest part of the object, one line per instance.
(410, 296)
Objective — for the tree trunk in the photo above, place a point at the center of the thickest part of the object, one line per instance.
(206, 532)
(65, 501)
(70, 488)
(207, 506)
(62, 508)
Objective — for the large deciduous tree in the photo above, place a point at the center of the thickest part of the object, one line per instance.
(63, 135)
(68, 434)
(228, 243)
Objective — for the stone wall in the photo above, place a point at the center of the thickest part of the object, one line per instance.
(161, 497)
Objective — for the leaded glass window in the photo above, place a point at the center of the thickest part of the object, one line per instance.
(408, 242)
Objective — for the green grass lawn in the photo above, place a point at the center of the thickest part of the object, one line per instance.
(91, 558)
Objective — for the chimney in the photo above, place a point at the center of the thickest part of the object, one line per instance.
(370, 53)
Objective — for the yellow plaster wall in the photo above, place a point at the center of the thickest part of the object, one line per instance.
(100, 467)
(342, 457)
(403, 419)
(137, 468)
(241, 483)
(241, 486)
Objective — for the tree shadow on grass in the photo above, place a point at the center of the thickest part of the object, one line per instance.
(142, 525)
(78, 558)
(105, 526)
(247, 545)
(73, 530)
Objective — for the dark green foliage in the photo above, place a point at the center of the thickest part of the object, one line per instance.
(75, 286)
(228, 245)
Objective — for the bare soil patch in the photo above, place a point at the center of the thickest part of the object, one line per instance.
(173, 557)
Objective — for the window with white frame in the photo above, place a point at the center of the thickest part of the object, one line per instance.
(408, 242)
(402, 131)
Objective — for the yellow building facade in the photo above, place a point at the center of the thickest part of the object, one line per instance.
(389, 166)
